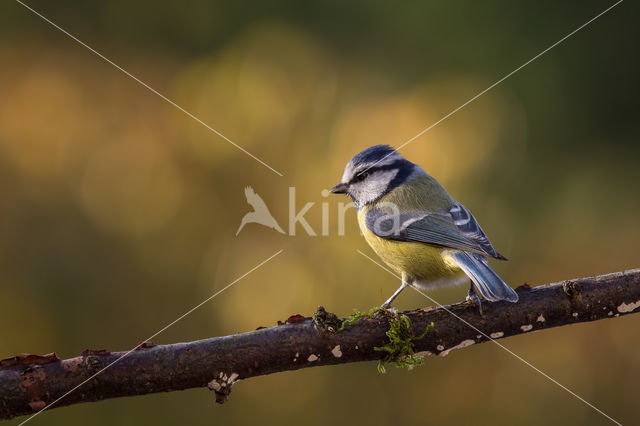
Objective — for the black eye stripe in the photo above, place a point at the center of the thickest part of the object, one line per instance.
(366, 172)
(360, 176)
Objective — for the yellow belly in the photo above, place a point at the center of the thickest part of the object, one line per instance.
(427, 264)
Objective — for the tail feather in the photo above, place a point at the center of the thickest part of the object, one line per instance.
(487, 282)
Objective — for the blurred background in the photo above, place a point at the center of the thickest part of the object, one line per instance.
(118, 212)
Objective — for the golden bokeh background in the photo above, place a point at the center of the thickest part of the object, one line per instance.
(119, 212)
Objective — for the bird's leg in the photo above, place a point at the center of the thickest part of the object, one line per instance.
(472, 296)
(406, 282)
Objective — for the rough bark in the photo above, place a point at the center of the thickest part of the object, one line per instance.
(29, 383)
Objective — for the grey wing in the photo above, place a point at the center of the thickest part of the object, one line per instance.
(456, 229)
(468, 225)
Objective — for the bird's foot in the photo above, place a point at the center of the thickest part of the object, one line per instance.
(473, 297)
(388, 307)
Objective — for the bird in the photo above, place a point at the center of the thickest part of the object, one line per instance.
(260, 213)
(418, 229)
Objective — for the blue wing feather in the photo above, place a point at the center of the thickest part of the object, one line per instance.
(470, 228)
(456, 229)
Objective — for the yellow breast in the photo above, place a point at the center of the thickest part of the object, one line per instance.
(421, 261)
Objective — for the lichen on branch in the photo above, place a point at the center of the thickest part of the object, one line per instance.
(399, 348)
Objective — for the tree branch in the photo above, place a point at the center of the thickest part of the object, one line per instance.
(29, 383)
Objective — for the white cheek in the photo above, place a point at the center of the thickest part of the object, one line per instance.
(375, 185)
(386, 175)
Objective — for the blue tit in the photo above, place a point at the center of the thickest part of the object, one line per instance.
(417, 228)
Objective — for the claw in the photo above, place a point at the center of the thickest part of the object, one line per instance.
(473, 297)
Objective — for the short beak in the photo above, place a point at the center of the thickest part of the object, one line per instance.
(340, 188)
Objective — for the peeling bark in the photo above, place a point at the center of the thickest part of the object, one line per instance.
(29, 383)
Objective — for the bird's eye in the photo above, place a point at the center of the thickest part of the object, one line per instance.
(360, 176)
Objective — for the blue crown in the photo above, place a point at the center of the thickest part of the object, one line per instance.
(373, 154)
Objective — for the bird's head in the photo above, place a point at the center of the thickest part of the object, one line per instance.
(373, 173)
